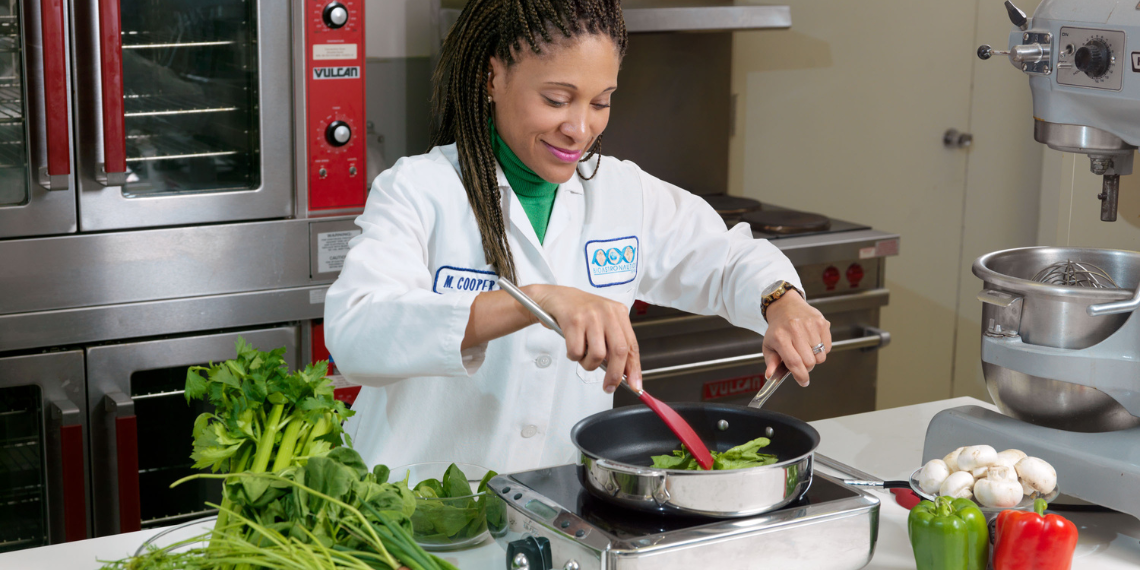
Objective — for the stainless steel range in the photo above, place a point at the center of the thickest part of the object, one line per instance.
(842, 265)
(553, 522)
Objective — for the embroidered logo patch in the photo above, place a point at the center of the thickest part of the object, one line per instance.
(611, 262)
(448, 279)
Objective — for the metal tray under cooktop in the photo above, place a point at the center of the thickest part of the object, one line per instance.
(551, 505)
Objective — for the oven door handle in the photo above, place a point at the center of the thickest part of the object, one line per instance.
(113, 171)
(123, 428)
(873, 338)
(55, 174)
(66, 454)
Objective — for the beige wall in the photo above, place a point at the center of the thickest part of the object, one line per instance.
(844, 115)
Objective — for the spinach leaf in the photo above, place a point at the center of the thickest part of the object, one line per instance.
(455, 483)
(739, 457)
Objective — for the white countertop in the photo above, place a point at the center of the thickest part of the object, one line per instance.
(886, 443)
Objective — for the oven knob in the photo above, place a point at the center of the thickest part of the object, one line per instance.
(338, 133)
(335, 15)
(854, 275)
(830, 277)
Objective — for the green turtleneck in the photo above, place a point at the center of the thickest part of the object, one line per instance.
(535, 194)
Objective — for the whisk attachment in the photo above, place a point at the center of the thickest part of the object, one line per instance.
(1071, 273)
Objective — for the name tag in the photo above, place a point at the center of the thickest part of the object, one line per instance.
(449, 279)
(611, 262)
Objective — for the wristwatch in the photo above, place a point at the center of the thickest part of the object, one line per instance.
(773, 294)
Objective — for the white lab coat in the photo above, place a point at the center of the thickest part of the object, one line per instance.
(395, 318)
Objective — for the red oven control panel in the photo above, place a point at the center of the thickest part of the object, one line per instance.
(334, 46)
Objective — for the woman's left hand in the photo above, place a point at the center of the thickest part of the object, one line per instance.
(794, 328)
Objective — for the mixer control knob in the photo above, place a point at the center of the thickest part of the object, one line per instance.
(338, 133)
(1093, 58)
(335, 15)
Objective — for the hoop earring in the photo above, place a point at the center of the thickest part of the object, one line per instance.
(594, 150)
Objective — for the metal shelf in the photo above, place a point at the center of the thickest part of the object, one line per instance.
(164, 105)
(170, 147)
(20, 454)
(180, 45)
(9, 44)
(707, 19)
(695, 19)
(166, 39)
(11, 155)
(11, 105)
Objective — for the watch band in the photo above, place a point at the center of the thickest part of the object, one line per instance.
(781, 289)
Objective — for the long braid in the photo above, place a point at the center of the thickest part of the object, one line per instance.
(460, 110)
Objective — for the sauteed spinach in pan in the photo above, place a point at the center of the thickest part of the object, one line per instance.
(738, 457)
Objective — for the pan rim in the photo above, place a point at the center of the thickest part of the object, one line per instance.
(812, 433)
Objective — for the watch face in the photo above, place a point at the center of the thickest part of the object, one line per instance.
(773, 288)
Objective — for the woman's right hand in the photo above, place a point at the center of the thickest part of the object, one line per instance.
(596, 329)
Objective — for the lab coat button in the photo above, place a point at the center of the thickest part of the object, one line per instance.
(529, 431)
(543, 361)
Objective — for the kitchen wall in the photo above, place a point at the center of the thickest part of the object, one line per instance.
(844, 114)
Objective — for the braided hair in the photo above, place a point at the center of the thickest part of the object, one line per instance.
(460, 106)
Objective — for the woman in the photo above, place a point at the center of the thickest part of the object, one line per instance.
(454, 368)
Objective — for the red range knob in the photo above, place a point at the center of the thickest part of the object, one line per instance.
(640, 307)
(854, 274)
(830, 277)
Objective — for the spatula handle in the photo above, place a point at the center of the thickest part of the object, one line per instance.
(546, 318)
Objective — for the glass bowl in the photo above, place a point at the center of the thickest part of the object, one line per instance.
(1026, 503)
(450, 523)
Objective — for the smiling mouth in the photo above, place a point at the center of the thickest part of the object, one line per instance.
(563, 154)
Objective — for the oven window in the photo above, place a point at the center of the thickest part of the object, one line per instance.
(13, 136)
(165, 423)
(23, 510)
(190, 84)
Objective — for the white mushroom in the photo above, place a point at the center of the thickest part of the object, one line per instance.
(1010, 457)
(1026, 489)
(957, 485)
(1037, 474)
(997, 494)
(951, 459)
(932, 475)
(980, 472)
(976, 456)
(1002, 473)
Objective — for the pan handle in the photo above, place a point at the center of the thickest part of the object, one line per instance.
(625, 469)
(872, 339)
(861, 478)
(659, 488)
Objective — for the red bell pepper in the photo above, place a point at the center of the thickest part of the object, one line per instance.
(1034, 541)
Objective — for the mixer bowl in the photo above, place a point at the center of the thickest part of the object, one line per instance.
(1054, 315)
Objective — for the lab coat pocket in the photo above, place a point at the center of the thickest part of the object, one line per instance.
(589, 377)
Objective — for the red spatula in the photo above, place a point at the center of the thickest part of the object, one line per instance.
(672, 419)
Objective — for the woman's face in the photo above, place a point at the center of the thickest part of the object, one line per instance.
(549, 108)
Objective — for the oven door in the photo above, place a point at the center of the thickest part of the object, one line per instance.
(37, 193)
(705, 359)
(43, 475)
(141, 436)
(184, 110)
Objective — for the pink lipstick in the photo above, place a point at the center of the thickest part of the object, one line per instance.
(563, 154)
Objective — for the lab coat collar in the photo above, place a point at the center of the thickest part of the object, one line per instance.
(561, 216)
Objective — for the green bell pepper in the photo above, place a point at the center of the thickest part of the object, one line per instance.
(950, 534)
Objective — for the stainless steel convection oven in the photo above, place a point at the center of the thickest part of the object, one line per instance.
(174, 174)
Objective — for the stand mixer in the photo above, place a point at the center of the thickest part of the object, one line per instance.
(1060, 338)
